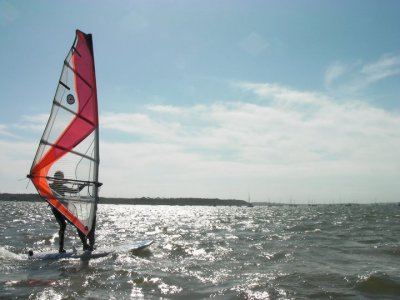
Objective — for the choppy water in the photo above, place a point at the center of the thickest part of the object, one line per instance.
(276, 252)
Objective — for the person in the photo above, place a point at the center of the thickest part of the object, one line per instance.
(59, 187)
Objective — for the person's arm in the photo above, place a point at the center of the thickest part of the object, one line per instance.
(73, 190)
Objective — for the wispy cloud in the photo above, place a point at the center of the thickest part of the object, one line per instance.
(254, 44)
(4, 131)
(16, 159)
(386, 66)
(139, 124)
(335, 71)
(281, 142)
(165, 109)
(8, 12)
(33, 122)
(283, 94)
(132, 21)
(263, 146)
(356, 76)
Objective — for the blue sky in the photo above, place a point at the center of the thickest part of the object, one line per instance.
(279, 100)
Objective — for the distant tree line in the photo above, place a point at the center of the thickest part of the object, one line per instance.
(138, 201)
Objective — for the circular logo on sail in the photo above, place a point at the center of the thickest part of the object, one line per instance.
(70, 99)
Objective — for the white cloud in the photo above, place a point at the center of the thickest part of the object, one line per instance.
(15, 158)
(165, 109)
(284, 94)
(356, 76)
(335, 71)
(268, 148)
(254, 44)
(33, 122)
(386, 66)
(286, 143)
(4, 131)
(140, 124)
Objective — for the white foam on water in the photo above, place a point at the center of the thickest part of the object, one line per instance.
(8, 255)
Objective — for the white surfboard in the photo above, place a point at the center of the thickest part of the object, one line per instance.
(74, 253)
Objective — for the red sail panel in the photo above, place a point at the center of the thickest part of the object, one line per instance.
(76, 98)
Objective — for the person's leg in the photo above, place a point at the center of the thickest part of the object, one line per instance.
(83, 240)
(91, 235)
(61, 232)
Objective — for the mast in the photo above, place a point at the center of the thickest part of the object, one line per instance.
(89, 39)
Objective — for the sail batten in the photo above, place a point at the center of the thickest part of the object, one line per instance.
(72, 112)
(64, 85)
(67, 180)
(77, 74)
(71, 151)
(73, 48)
(65, 168)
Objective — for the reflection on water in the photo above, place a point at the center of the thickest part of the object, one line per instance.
(200, 252)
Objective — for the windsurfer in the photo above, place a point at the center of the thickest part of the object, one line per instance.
(59, 186)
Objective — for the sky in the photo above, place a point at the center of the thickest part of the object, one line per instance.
(281, 101)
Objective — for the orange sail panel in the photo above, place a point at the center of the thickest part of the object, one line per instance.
(65, 168)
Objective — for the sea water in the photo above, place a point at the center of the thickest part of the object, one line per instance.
(270, 252)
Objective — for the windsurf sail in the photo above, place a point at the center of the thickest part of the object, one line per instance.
(65, 169)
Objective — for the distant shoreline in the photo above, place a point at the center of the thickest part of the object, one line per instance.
(138, 201)
(182, 201)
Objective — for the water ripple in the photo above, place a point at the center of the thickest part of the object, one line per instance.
(276, 252)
